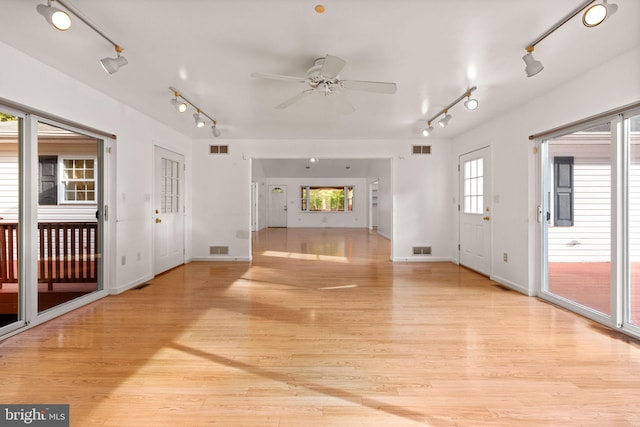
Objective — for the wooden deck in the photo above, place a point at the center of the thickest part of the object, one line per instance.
(321, 329)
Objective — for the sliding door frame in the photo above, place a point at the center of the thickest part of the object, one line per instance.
(620, 276)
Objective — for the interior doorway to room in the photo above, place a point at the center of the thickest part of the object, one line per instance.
(475, 210)
(168, 210)
(277, 211)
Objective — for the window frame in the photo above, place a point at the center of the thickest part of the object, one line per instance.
(62, 182)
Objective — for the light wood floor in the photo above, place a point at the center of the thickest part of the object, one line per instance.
(321, 329)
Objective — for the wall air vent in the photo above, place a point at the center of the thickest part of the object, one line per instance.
(219, 149)
(421, 149)
(422, 250)
(218, 250)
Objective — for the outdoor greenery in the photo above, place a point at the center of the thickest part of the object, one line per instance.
(7, 117)
(324, 199)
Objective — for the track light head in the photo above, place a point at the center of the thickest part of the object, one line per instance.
(427, 131)
(54, 16)
(181, 106)
(471, 103)
(443, 122)
(598, 13)
(533, 67)
(198, 119)
(215, 131)
(112, 65)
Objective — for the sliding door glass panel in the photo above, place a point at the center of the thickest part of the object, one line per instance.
(579, 218)
(633, 300)
(68, 199)
(10, 285)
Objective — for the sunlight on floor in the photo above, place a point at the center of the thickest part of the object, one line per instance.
(307, 257)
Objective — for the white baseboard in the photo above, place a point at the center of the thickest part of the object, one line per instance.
(511, 285)
(130, 285)
(421, 259)
(222, 258)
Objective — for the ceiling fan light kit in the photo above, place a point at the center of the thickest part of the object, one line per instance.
(594, 15)
(62, 21)
(180, 103)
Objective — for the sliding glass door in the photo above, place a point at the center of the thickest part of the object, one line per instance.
(590, 217)
(11, 165)
(578, 226)
(632, 306)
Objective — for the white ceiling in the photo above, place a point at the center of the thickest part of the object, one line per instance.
(433, 49)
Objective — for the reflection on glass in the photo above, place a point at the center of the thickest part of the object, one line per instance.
(633, 300)
(579, 231)
(68, 235)
(10, 291)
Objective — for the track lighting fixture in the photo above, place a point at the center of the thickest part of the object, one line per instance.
(470, 103)
(214, 130)
(181, 104)
(198, 119)
(54, 16)
(598, 13)
(62, 21)
(426, 131)
(443, 122)
(533, 66)
(112, 65)
(594, 15)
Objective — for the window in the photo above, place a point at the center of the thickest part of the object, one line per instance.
(78, 180)
(326, 199)
(473, 186)
(170, 186)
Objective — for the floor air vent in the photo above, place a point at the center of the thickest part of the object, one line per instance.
(422, 250)
(421, 149)
(219, 149)
(218, 250)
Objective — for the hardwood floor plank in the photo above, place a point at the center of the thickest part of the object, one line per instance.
(321, 329)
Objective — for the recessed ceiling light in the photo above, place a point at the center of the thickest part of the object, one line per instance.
(319, 8)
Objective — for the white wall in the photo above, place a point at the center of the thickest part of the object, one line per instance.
(514, 227)
(420, 184)
(25, 81)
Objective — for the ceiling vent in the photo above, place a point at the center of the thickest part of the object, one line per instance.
(219, 149)
(421, 149)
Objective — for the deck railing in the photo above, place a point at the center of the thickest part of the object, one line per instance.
(66, 252)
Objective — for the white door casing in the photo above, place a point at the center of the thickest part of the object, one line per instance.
(475, 210)
(168, 210)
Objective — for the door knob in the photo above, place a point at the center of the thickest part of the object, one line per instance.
(486, 218)
(158, 220)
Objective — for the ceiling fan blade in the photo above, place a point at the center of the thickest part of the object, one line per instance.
(377, 87)
(295, 99)
(341, 103)
(278, 77)
(332, 66)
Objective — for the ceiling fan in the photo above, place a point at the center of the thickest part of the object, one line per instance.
(323, 79)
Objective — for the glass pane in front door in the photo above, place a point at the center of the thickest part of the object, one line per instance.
(579, 218)
(68, 199)
(10, 287)
(633, 300)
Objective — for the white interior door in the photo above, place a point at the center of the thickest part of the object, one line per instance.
(277, 206)
(168, 214)
(475, 210)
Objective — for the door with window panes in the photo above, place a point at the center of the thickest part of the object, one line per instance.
(168, 214)
(475, 211)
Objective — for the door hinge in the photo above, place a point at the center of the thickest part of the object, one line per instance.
(458, 247)
(106, 213)
(108, 150)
